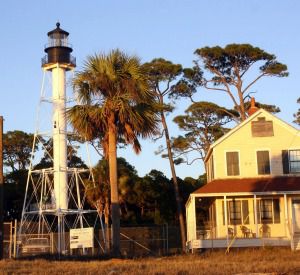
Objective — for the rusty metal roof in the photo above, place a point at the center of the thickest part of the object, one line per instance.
(251, 185)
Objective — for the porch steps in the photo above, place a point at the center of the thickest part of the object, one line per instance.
(296, 242)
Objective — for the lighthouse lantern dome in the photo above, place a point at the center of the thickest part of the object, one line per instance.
(58, 49)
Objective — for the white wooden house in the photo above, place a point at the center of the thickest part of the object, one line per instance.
(252, 197)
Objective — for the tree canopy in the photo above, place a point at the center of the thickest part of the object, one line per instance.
(230, 70)
(17, 149)
(297, 115)
(203, 123)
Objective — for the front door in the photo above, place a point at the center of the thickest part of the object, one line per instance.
(296, 216)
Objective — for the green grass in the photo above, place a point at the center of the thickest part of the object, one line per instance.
(268, 260)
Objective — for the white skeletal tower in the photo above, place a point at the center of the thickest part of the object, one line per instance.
(58, 61)
(54, 199)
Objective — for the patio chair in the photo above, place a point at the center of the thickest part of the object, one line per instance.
(201, 234)
(230, 232)
(246, 231)
(265, 231)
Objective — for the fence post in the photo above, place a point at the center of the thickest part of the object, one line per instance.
(52, 242)
(10, 238)
(15, 239)
(167, 229)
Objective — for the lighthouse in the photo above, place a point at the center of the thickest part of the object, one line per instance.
(58, 61)
(55, 201)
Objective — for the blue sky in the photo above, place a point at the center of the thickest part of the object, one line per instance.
(170, 29)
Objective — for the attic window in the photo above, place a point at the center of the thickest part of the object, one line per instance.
(262, 128)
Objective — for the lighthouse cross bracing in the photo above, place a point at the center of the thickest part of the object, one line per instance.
(55, 200)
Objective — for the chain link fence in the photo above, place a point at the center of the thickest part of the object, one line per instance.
(134, 242)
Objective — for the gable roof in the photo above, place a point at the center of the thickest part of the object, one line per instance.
(246, 121)
(251, 185)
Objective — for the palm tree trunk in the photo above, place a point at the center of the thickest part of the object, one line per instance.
(114, 195)
(175, 183)
(106, 224)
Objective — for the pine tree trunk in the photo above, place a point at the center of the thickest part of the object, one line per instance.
(115, 208)
(175, 183)
(242, 110)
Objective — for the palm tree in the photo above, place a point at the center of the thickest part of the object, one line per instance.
(116, 104)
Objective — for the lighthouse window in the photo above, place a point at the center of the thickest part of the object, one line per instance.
(57, 39)
(54, 125)
(64, 41)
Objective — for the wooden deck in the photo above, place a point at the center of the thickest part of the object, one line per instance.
(238, 242)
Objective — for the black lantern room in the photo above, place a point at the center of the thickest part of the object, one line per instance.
(58, 49)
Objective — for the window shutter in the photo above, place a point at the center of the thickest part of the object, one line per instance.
(212, 167)
(263, 162)
(285, 161)
(232, 159)
(229, 163)
(236, 164)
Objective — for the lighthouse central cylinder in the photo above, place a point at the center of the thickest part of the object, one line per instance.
(59, 138)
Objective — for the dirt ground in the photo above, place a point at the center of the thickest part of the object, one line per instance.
(246, 261)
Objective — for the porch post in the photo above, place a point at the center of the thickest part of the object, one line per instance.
(192, 221)
(255, 216)
(226, 220)
(285, 214)
(187, 221)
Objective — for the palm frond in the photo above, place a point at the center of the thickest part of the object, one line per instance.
(114, 83)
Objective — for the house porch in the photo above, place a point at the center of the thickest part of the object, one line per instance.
(243, 220)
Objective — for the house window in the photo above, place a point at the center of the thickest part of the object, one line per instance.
(294, 157)
(291, 161)
(232, 160)
(263, 162)
(268, 211)
(237, 212)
